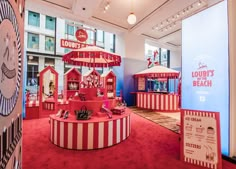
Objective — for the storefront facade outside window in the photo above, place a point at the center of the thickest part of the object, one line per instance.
(43, 36)
(34, 19)
(33, 41)
(50, 23)
(49, 43)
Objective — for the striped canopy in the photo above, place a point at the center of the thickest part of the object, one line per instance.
(158, 72)
(92, 56)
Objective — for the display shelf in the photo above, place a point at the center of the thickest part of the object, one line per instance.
(109, 83)
(91, 79)
(48, 92)
(72, 79)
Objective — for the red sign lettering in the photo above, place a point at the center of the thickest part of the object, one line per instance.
(73, 44)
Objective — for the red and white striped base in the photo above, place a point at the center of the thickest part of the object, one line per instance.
(156, 101)
(98, 132)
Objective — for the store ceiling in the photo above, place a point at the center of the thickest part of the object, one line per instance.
(158, 21)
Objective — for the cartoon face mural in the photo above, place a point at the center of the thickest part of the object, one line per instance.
(10, 58)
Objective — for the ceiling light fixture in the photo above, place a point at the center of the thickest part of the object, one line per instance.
(132, 17)
(106, 6)
(172, 21)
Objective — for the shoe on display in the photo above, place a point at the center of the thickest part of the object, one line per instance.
(62, 113)
(66, 115)
(59, 113)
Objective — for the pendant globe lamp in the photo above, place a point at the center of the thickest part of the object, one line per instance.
(132, 17)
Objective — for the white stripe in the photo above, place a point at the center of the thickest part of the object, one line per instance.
(153, 101)
(213, 115)
(90, 135)
(149, 100)
(157, 101)
(138, 99)
(162, 102)
(79, 136)
(171, 101)
(142, 101)
(70, 133)
(118, 131)
(124, 128)
(55, 132)
(51, 121)
(110, 132)
(175, 101)
(167, 102)
(101, 135)
(62, 134)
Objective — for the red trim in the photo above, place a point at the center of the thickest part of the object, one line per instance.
(85, 136)
(58, 132)
(121, 129)
(106, 134)
(74, 135)
(95, 135)
(65, 135)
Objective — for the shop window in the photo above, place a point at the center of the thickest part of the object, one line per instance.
(100, 38)
(112, 42)
(33, 41)
(49, 62)
(33, 18)
(49, 43)
(32, 71)
(163, 55)
(70, 30)
(91, 37)
(50, 23)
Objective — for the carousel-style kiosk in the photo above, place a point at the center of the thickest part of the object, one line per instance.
(152, 89)
(94, 118)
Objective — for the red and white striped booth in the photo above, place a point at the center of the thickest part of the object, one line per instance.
(157, 101)
(95, 133)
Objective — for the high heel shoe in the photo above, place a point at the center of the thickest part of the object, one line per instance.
(62, 113)
(59, 113)
(66, 115)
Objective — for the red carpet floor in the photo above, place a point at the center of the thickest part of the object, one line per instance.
(149, 146)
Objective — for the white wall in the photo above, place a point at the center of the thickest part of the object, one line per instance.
(134, 46)
(59, 67)
(175, 59)
(232, 55)
(60, 35)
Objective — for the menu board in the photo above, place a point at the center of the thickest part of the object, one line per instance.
(201, 138)
(141, 83)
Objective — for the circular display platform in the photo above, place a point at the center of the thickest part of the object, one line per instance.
(95, 133)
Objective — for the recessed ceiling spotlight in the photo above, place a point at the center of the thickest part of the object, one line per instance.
(199, 3)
